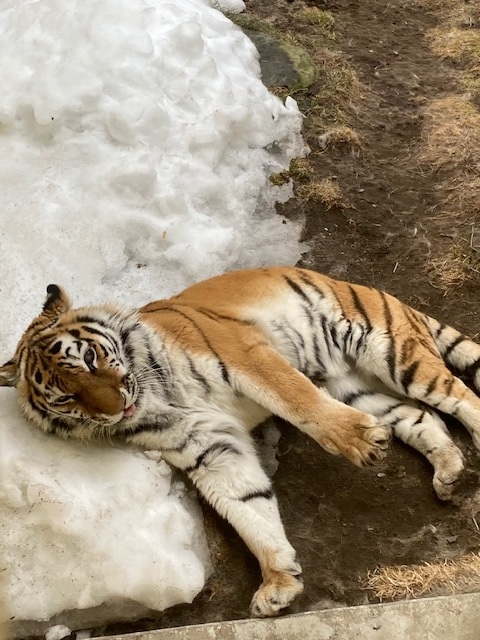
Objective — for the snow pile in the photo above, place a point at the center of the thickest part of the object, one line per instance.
(137, 142)
(235, 6)
(80, 528)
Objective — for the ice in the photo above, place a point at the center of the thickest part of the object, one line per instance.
(137, 145)
(57, 632)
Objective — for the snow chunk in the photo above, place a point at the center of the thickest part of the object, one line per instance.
(82, 525)
(235, 6)
(57, 632)
(137, 143)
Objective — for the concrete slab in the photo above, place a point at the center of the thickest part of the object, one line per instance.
(446, 618)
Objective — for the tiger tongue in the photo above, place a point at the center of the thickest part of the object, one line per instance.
(129, 411)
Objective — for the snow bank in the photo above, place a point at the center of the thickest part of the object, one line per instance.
(137, 141)
(82, 527)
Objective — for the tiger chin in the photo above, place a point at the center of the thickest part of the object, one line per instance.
(193, 375)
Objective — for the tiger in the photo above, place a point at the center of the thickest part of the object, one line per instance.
(191, 376)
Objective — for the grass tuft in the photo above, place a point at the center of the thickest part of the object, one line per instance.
(404, 581)
(317, 17)
(326, 192)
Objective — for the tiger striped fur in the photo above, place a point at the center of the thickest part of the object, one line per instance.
(193, 375)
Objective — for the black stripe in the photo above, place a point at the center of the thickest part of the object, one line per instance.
(408, 375)
(220, 447)
(391, 353)
(431, 386)
(34, 407)
(318, 354)
(213, 315)
(56, 347)
(267, 494)
(418, 325)
(180, 447)
(223, 368)
(299, 349)
(347, 337)
(407, 350)
(156, 367)
(103, 334)
(198, 376)
(75, 333)
(419, 420)
(472, 369)
(306, 279)
(356, 395)
(57, 425)
(440, 330)
(334, 335)
(449, 382)
(297, 289)
(359, 306)
(159, 426)
(452, 346)
(391, 408)
(90, 320)
(326, 337)
(96, 332)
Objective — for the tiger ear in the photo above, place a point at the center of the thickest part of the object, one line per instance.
(57, 301)
(8, 374)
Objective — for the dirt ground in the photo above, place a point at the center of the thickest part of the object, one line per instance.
(398, 147)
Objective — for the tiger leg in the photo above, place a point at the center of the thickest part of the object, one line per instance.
(414, 424)
(269, 379)
(226, 471)
(421, 374)
(458, 352)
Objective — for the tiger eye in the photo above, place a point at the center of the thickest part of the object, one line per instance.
(89, 358)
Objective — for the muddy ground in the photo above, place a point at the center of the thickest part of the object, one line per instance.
(403, 220)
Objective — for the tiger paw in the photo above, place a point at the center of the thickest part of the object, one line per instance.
(449, 466)
(360, 438)
(275, 594)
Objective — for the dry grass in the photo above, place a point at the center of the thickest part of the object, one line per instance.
(458, 40)
(451, 136)
(451, 147)
(326, 192)
(317, 17)
(459, 265)
(341, 136)
(451, 576)
(279, 179)
(300, 170)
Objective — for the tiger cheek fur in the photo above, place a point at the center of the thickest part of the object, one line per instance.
(193, 375)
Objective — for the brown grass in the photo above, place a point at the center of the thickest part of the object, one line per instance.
(459, 265)
(317, 17)
(458, 40)
(413, 581)
(451, 147)
(300, 170)
(451, 135)
(341, 136)
(326, 192)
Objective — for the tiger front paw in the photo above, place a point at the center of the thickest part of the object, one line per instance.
(276, 593)
(360, 438)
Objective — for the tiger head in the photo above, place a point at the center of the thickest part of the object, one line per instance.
(72, 369)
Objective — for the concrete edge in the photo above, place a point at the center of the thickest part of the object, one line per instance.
(441, 618)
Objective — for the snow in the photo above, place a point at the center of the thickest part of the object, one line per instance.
(58, 632)
(137, 143)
